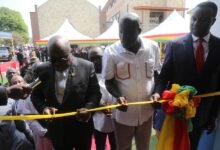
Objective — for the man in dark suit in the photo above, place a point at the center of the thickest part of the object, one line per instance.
(72, 86)
(183, 65)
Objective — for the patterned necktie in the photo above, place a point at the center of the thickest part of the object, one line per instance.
(200, 56)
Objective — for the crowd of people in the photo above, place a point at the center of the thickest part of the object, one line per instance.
(127, 71)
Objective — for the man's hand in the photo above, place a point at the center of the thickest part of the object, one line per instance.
(107, 112)
(82, 115)
(123, 101)
(18, 91)
(49, 111)
(155, 97)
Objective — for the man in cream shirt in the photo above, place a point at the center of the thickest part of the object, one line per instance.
(128, 68)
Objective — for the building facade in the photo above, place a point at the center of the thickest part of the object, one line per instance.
(48, 18)
(151, 12)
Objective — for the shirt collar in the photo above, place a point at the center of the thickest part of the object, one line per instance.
(205, 38)
(63, 73)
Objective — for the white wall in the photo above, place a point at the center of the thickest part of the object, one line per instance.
(216, 27)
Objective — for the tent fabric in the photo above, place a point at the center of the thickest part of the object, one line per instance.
(109, 36)
(175, 25)
(5, 35)
(111, 33)
(83, 42)
(69, 32)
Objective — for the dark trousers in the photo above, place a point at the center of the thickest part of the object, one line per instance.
(77, 135)
(100, 140)
(195, 134)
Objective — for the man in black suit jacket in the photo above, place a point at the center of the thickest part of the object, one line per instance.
(180, 65)
(72, 86)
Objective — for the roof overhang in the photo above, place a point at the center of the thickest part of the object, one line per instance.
(159, 8)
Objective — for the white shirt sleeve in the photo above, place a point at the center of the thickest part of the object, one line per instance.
(108, 67)
(26, 107)
(36, 128)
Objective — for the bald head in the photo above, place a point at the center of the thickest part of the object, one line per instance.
(129, 30)
(57, 44)
(95, 51)
(60, 52)
(95, 56)
(130, 18)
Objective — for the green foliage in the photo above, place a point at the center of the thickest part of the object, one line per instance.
(12, 21)
(5, 42)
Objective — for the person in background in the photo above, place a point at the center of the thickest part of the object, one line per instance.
(22, 107)
(194, 60)
(25, 67)
(34, 53)
(9, 74)
(103, 126)
(20, 57)
(72, 86)
(128, 70)
(29, 73)
(14, 134)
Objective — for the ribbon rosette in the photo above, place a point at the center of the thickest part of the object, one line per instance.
(181, 106)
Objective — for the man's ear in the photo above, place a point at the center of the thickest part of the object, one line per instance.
(139, 30)
(213, 21)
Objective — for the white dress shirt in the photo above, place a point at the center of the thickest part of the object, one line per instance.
(60, 84)
(103, 123)
(205, 44)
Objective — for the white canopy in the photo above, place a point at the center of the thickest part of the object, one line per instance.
(68, 31)
(174, 24)
(111, 33)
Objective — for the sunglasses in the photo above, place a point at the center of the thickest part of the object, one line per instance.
(59, 60)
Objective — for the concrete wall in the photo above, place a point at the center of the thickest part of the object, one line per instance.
(81, 14)
(35, 26)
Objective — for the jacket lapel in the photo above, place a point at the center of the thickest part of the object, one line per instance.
(52, 87)
(71, 76)
(188, 43)
(211, 54)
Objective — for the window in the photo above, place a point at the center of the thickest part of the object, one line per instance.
(156, 17)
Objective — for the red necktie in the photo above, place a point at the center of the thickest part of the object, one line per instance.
(200, 56)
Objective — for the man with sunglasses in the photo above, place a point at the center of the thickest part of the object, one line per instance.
(72, 86)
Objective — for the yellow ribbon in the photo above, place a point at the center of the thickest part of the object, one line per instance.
(34, 117)
(208, 94)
